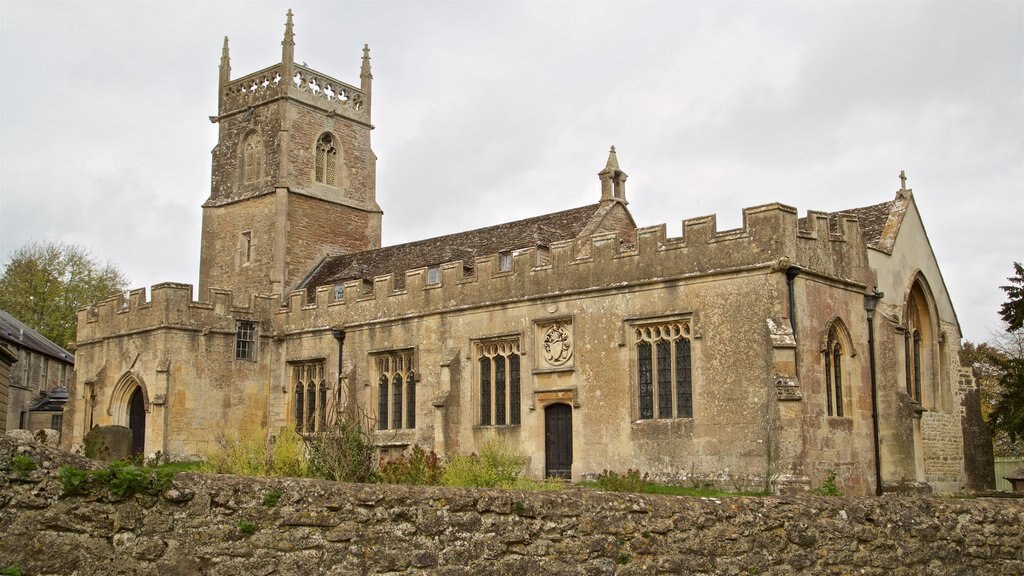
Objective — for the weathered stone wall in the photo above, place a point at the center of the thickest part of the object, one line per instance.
(199, 526)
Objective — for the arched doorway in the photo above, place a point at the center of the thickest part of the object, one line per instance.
(137, 421)
(558, 441)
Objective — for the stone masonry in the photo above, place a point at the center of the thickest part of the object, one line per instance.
(209, 524)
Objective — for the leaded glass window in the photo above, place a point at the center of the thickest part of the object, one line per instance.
(396, 390)
(310, 396)
(664, 370)
(500, 389)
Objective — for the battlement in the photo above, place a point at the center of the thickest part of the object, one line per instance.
(170, 306)
(769, 234)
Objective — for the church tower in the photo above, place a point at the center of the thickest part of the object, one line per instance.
(293, 175)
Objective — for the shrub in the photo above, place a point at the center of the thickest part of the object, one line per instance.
(287, 454)
(72, 480)
(120, 479)
(22, 465)
(245, 454)
(413, 467)
(631, 481)
(246, 527)
(270, 498)
(497, 466)
(343, 451)
(828, 487)
(10, 571)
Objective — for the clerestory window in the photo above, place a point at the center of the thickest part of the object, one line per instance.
(326, 160)
(396, 390)
(499, 381)
(664, 373)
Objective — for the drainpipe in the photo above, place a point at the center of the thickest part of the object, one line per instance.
(791, 273)
(339, 335)
(870, 303)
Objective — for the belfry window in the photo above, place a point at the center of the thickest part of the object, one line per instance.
(500, 403)
(252, 159)
(664, 372)
(245, 340)
(396, 390)
(833, 358)
(310, 393)
(326, 160)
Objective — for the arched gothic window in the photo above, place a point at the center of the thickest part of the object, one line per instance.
(252, 158)
(396, 391)
(918, 339)
(833, 357)
(326, 160)
(664, 374)
(310, 415)
(499, 382)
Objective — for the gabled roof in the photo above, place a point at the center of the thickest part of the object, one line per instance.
(464, 246)
(872, 221)
(879, 223)
(21, 336)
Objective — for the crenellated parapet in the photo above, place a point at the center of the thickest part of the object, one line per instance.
(769, 234)
(170, 306)
(832, 244)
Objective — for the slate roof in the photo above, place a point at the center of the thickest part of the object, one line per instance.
(21, 336)
(52, 401)
(872, 221)
(540, 230)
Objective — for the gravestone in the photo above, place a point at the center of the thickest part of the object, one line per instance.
(109, 443)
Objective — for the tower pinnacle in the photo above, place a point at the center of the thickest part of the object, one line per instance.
(365, 76)
(288, 47)
(225, 63)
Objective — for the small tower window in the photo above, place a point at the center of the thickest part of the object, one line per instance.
(252, 159)
(326, 160)
(504, 261)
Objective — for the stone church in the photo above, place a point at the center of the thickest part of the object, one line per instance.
(765, 356)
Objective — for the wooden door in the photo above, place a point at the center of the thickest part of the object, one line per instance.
(558, 441)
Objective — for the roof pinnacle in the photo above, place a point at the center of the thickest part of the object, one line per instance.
(903, 181)
(613, 160)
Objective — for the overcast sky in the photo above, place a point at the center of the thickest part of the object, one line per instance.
(491, 111)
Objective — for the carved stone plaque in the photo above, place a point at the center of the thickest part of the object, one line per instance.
(556, 345)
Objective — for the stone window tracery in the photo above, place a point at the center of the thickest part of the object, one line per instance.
(500, 389)
(396, 390)
(252, 158)
(833, 358)
(664, 370)
(326, 160)
(310, 394)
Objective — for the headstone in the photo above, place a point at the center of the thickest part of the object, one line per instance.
(109, 443)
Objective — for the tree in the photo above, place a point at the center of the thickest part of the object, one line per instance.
(44, 285)
(989, 362)
(1012, 311)
(1007, 415)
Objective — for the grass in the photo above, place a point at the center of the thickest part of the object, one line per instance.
(632, 481)
(175, 467)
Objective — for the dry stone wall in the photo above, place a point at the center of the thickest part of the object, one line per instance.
(207, 524)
